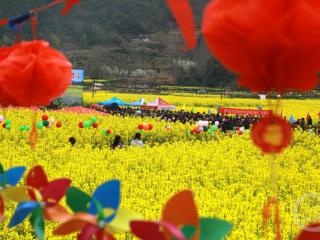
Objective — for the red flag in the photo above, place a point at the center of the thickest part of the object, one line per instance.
(4, 21)
(183, 14)
(68, 6)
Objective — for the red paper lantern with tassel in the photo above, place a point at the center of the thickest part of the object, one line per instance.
(271, 45)
(34, 74)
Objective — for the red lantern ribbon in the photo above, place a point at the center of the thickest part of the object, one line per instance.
(267, 214)
(182, 11)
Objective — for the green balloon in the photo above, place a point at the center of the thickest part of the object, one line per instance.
(94, 119)
(214, 128)
(23, 128)
(40, 125)
(87, 124)
(8, 127)
(141, 131)
(205, 128)
(209, 131)
(7, 121)
(27, 128)
(104, 132)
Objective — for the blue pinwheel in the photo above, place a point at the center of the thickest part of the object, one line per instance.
(98, 216)
(8, 189)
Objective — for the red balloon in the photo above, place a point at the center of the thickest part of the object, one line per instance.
(95, 125)
(109, 131)
(146, 127)
(140, 126)
(150, 126)
(80, 125)
(34, 74)
(4, 125)
(58, 124)
(45, 118)
(272, 134)
(271, 45)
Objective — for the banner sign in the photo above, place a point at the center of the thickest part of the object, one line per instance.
(245, 111)
(77, 76)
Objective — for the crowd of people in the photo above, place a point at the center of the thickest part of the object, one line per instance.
(226, 122)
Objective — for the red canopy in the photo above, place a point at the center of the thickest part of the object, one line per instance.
(159, 104)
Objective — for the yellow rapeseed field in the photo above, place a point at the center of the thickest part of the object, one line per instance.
(228, 175)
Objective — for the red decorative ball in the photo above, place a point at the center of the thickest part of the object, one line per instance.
(150, 126)
(45, 118)
(4, 125)
(109, 131)
(58, 124)
(140, 126)
(80, 125)
(146, 127)
(271, 45)
(272, 134)
(95, 125)
(34, 74)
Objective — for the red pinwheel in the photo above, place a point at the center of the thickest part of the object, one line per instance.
(8, 189)
(69, 4)
(97, 216)
(180, 221)
(272, 134)
(310, 232)
(46, 73)
(44, 195)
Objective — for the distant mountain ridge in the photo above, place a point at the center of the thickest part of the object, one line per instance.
(128, 41)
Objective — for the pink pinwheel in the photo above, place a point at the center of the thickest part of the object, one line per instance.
(44, 195)
(180, 221)
(98, 216)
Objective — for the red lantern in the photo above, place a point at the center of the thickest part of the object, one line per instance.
(95, 125)
(271, 45)
(5, 99)
(140, 126)
(80, 125)
(311, 232)
(272, 134)
(34, 74)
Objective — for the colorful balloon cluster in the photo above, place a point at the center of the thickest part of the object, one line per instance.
(91, 123)
(145, 126)
(107, 132)
(7, 124)
(204, 126)
(99, 216)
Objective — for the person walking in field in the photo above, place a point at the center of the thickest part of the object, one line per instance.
(117, 143)
(136, 142)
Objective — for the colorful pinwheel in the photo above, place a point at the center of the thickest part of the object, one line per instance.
(44, 195)
(180, 221)
(97, 216)
(8, 189)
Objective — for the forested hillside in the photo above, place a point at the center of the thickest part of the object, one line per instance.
(126, 41)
